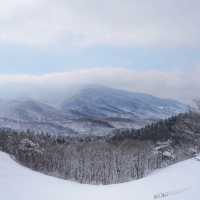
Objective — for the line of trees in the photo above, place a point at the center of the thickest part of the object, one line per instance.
(124, 155)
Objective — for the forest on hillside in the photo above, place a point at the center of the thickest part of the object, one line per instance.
(123, 155)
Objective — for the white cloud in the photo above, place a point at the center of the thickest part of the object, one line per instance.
(181, 85)
(91, 22)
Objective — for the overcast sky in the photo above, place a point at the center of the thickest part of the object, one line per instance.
(142, 45)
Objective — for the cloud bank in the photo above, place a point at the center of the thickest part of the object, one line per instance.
(91, 22)
(180, 85)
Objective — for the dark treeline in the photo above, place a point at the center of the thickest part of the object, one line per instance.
(124, 155)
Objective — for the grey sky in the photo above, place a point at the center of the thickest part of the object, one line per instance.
(148, 45)
(90, 22)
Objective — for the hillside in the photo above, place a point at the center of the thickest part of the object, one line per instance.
(93, 110)
(23, 115)
(172, 183)
(123, 155)
(120, 108)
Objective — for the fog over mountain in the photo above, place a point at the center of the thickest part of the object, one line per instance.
(55, 87)
(90, 110)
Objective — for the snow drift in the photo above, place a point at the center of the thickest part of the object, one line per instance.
(177, 182)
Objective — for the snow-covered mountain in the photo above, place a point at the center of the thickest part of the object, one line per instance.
(94, 109)
(29, 110)
(172, 183)
(32, 115)
(120, 108)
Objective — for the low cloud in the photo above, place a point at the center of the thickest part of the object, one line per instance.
(181, 85)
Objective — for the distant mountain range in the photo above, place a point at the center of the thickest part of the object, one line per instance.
(95, 109)
(32, 115)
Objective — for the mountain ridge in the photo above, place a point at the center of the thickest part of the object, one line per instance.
(110, 104)
(94, 109)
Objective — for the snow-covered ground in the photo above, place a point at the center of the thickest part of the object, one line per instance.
(178, 182)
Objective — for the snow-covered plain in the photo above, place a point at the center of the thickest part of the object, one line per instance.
(178, 182)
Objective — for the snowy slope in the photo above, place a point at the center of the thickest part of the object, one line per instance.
(120, 108)
(92, 110)
(33, 115)
(29, 110)
(178, 182)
